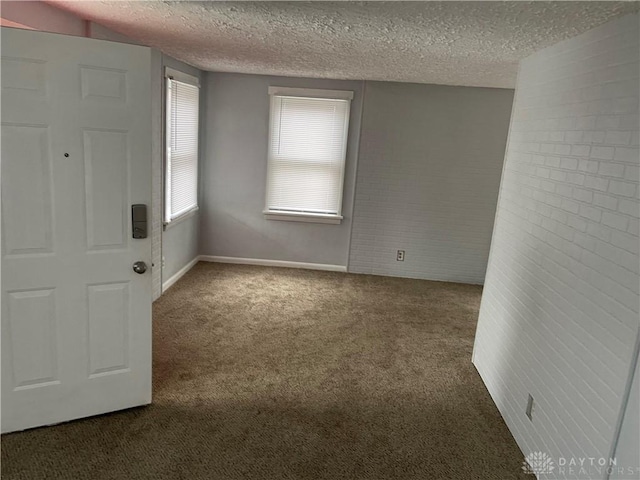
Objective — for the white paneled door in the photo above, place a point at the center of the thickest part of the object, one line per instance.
(76, 154)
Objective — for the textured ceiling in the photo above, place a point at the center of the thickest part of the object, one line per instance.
(452, 43)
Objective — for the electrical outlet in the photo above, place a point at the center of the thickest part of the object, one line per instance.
(529, 410)
(163, 261)
(400, 256)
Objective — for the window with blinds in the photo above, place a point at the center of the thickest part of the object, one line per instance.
(181, 176)
(307, 149)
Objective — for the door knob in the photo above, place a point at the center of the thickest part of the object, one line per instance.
(140, 267)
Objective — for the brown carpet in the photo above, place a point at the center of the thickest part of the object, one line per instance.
(264, 373)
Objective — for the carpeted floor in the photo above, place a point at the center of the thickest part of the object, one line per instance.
(265, 373)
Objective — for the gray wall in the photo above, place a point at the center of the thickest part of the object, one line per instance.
(235, 169)
(428, 177)
(180, 239)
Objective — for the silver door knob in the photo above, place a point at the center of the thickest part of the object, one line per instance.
(140, 267)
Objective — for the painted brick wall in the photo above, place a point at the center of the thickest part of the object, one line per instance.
(427, 181)
(559, 315)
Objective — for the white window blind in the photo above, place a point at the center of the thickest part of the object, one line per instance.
(181, 178)
(307, 148)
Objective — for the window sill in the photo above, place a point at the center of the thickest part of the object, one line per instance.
(303, 217)
(180, 219)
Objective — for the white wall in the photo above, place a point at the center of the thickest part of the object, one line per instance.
(559, 314)
(235, 171)
(428, 176)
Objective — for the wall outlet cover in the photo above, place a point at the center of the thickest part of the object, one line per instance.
(529, 410)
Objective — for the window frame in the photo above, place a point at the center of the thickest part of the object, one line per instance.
(294, 216)
(171, 74)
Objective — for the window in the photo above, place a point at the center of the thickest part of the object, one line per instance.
(181, 143)
(307, 149)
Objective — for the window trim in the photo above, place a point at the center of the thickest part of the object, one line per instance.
(300, 216)
(311, 93)
(180, 77)
(180, 218)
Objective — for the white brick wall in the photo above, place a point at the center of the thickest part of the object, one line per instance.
(427, 181)
(559, 314)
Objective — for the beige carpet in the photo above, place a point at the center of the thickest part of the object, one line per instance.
(264, 373)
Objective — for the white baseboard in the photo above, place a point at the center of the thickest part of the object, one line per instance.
(273, 263)
(179, 274)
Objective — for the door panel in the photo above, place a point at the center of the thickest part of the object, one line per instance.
(76, 154)
(27, 213)
(24, 74)
(108, 328)
(103, 84)
(32, 321)
(106, 162)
